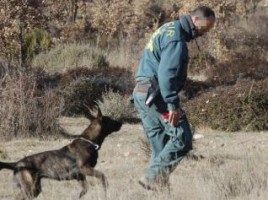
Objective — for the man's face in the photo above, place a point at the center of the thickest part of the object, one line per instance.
(203, 25)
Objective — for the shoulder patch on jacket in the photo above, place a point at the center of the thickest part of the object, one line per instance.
(150, 44)
(168, 32)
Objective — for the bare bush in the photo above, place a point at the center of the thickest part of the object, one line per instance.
(246, 47)
(235, 47)
(117, 106)
(232, 108)
(26, 111)
(84, 86)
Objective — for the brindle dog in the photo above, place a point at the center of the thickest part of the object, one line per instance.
(73, 161)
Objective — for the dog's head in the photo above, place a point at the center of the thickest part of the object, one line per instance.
(108, 125)
(100, 127)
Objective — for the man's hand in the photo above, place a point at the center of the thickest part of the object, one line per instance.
(174, 117)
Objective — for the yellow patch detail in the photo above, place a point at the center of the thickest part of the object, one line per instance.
(169, 28)
(170, 33)
(150, 44)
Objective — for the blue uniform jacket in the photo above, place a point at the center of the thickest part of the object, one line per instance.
(166, 57)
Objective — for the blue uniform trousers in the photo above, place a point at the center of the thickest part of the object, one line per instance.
(168, 144)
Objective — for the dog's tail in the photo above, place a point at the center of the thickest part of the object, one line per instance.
(11, 166)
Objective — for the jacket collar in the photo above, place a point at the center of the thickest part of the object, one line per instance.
(189, 29)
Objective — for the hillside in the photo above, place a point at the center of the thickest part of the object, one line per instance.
(74, 53)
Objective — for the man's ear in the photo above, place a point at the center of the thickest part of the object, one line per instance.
(195, 18)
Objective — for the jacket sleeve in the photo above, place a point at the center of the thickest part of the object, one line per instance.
(168, 73)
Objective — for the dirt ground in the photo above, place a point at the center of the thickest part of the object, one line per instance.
(221, 166)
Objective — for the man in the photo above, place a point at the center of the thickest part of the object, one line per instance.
(161, 75)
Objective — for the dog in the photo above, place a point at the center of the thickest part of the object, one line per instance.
(73, 161)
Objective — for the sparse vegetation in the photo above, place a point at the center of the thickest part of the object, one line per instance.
(230, 166)
(232, 108)
(26, 110)
(84, 86)
(71, 56)
(117, 106)
(57, 58)
(89, 48)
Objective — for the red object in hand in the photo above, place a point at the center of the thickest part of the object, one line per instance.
(173, 117)
(165, 116)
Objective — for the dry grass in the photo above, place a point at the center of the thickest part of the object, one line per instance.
(230, 166)
(70, 56)
(25, 110)
(222, 165)
(117, 106)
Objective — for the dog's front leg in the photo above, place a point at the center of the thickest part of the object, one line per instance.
(89, 171)
(83, 183)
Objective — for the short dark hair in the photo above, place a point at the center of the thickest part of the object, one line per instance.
(203, 11)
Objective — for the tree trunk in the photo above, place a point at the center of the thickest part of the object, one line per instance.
(73, 11)
(23, 48)
(75, 8)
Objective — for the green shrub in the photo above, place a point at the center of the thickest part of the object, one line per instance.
(3, 154)
(37, 40)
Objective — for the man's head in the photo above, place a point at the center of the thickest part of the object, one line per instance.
(203, 18)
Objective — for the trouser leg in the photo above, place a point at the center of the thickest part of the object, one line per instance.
(152, 126)
(169, 145)
(178, 145)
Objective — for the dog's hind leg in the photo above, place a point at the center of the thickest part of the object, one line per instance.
(37, 185)
(26, 182)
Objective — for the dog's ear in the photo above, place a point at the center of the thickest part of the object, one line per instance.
(99, 114)
(88, 114)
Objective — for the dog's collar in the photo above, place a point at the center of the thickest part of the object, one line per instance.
(96, 146)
